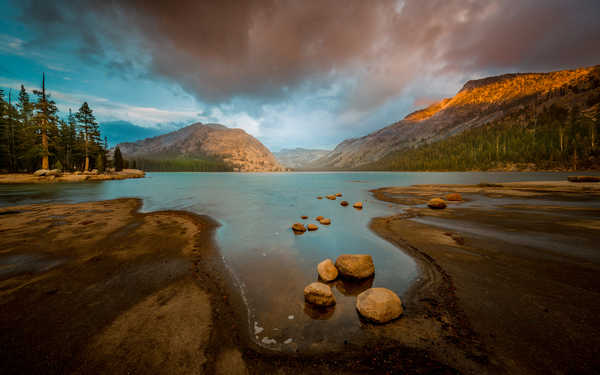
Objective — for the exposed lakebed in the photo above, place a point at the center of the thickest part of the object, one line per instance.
(269, 262)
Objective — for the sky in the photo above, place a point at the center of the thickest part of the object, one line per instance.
(291, 73)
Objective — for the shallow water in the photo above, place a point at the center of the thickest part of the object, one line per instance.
(271, 264)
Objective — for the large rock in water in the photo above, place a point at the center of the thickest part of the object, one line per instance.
(358, 266)
(327, 271)
(319, 294)
(358, 205)
(436, 203)
(41, 172)
(456, 197)
(379, 305)
(325, 221)
(298, 228)
(312, 227)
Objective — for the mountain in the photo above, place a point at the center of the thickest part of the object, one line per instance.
(298, 158)
(520, 97)
(123, 131)
(210, 143)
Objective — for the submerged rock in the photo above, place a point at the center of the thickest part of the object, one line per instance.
(325, 221)
(358, 205)
(319, 294)
(319, 197)
(298, 228)
(344, 203)
(358, 266)
(319, 218)
(327, 271)
(454, 197)
(436, 203)
(312, 227)
(379, 305)
(331, 197)
(338, 194)
(303, 217)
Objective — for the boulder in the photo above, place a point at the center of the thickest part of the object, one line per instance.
(319, 294)
(331, 197)
(379, 305)
(312, 227)
(319, 218)
(94, 172)
(325, 221)
(456, 197)
(53, 172)
(77, 173)
(344, 203)
(436, 203)
(298, 228)
(338, 194)
(304, 217)
(327, 271)
(358, 266)
(41, 172)
(319, 197)
(358, 205)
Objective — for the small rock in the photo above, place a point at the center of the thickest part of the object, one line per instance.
(331, 197)
(358, 205)
(379, 305)
(436, 203)
(319, 294)
(454, 197)
(344, 203)
(327, 271)
(358, 266)
(94, 171)
(325, 221)
(319, 218)
(312, 227)
(338, 194)
(319, 197)
(304, 217)
(298, 227)
(41, 172)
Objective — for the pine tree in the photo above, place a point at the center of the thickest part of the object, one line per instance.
(45, 121)
(91, 132)
(118, 159)
(4, 138)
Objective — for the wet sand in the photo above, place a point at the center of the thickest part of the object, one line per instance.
(518, 263)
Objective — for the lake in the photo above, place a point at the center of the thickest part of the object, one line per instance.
(270, 263)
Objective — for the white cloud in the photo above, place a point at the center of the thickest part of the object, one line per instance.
(241, 120)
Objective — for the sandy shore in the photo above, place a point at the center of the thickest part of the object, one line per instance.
(27, 178)
(518, 263)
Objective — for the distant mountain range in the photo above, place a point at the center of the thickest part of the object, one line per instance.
(299, 158)
(202, 147)
(519, 97)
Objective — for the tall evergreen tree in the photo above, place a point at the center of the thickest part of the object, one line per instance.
(4, 155)
(45, 120)
(118, 159)
(91, 132)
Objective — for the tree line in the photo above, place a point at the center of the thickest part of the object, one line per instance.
(555, 137)
(34, 136)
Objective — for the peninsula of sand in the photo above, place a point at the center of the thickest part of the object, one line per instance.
(52, 176)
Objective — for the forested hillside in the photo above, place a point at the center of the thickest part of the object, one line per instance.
(556, 138)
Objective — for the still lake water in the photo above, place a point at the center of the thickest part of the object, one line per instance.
(271, 264)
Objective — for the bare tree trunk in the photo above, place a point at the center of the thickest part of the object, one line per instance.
(44, 147)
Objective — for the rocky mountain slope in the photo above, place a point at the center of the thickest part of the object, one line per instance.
(479, 102)
(233, 146)
(298, 158)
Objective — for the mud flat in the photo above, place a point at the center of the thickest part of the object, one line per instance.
(27, 178)
(514, 267)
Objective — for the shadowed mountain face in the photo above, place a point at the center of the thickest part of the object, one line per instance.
(478, 103)
(234, 146)
(299, 158)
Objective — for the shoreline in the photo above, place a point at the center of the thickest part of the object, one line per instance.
(530, 305)
(68, 177)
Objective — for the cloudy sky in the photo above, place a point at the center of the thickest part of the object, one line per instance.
(292, 73)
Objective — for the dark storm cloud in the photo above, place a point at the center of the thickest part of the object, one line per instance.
(221, 49)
